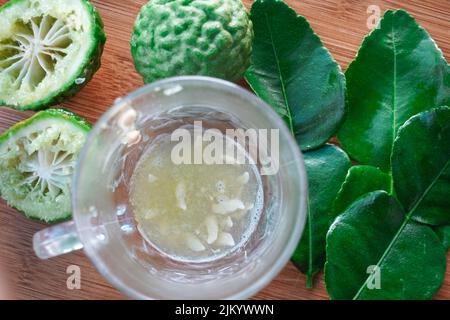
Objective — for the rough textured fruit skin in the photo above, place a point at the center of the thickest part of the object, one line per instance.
(50, 113)
(192, 37)
(87, 69)
(47, 114)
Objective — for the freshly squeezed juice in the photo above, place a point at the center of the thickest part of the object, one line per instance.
(194, 212)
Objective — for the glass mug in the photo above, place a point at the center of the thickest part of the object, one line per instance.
(103, 223)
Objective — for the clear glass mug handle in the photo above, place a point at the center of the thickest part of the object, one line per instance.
(56, 240)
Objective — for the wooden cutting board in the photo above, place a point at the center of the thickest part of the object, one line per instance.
(341, 24)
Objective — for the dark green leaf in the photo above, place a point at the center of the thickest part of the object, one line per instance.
(443, 233)
(359, 181)
(293, 72)
(375, 230)
(374, 240)
(398, 72)
(421, 166)
(326, 168)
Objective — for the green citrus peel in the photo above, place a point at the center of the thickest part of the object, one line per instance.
(192, 37)
(37, 159)
(48, 50)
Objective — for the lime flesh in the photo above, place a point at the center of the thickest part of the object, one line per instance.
(37, 160)
(49, 49)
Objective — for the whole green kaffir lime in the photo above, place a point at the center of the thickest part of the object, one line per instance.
(192, 37)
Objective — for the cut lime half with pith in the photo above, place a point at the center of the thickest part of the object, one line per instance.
(37, 160)
(49, 49)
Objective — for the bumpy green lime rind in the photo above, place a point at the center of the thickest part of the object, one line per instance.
(192, 37)
(85, 67)
(37, 159)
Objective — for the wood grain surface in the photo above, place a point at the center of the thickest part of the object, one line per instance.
(341, 24)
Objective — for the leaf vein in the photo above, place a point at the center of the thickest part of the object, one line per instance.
(394, 96)
(405, 222)
(283, 89)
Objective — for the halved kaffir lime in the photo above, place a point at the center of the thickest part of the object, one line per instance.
(49, 49)
(37, 160)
